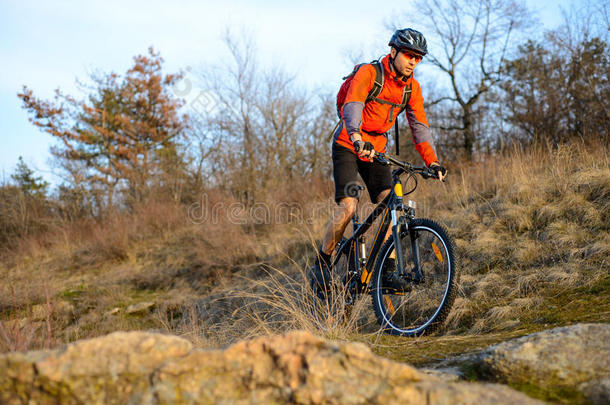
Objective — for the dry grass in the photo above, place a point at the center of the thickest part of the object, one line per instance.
(527, 223)
(531, 226)
(271, 300)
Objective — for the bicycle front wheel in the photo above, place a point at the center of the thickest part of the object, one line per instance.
(420, 301)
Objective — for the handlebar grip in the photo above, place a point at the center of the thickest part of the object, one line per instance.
(431, 174)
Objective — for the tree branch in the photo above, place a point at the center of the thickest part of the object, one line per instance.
(451, 128)
(435, 102)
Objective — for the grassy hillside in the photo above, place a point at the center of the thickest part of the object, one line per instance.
(532, 227)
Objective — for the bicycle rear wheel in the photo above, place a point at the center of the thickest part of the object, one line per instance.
(330, 308)
(425, 297)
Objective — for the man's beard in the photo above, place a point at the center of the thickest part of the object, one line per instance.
(399, 72)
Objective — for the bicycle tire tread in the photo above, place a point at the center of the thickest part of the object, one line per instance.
(454, 271)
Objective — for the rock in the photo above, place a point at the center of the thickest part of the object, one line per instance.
(110, 369)
(598, 392)
(573, 358)
(140, 308)
(449, 374)
(298, 367)
(112, 312)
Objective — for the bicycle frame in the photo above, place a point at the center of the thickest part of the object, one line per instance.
(392, 283)
(388, 210)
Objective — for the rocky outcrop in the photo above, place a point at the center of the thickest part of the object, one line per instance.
(145, 368)
(574, 358)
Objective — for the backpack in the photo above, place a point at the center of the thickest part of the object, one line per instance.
(375, 91)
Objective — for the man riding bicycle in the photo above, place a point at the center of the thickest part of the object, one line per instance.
(363, 132)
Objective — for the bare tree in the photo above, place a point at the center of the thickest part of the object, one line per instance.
(468, 41)
(316, 159)
(559, 88)
(263, 128)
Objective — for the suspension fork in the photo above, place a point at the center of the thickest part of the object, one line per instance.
(416, 273)
(400, 261)
(396, 225)
(419, 273)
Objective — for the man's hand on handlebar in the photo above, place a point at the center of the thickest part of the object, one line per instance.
(441, 172)
(435, 170)
(364, 149)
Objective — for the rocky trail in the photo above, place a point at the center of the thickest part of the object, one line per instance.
(571, 363)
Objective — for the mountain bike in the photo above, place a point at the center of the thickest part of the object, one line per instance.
(412, 287)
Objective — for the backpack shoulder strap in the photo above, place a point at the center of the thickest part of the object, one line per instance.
(379, 80)
(378, 86)
(406, 96)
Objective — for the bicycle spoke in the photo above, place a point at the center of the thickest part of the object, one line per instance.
(424, 301)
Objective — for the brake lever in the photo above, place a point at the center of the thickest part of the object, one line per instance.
(427, 174)
(380, 158)
(431, 174)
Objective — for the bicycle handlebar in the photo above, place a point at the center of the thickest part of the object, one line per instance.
(424, 171)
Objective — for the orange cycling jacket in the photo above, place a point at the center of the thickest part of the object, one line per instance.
(374, 119)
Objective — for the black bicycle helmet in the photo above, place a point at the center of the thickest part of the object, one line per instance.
(409, 39)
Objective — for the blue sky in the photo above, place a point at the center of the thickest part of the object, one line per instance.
(48, 44)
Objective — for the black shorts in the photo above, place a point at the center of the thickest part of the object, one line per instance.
(346, 167)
